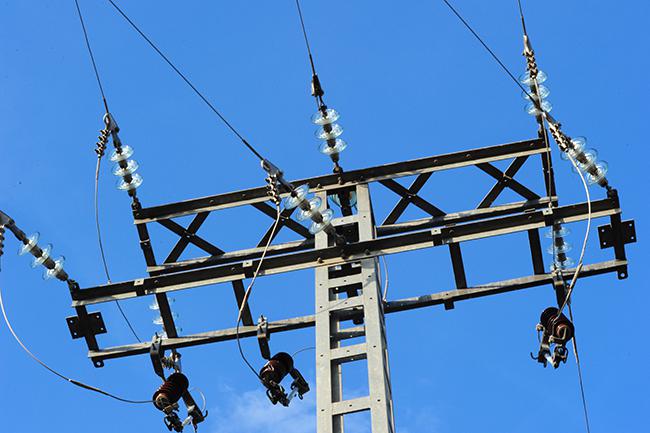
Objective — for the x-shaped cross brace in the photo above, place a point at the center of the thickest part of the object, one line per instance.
(505, 179)
(409, 196)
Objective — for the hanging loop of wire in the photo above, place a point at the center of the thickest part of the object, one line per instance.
(249, 289)
(100, 149)
(579, 367)
(55, 372)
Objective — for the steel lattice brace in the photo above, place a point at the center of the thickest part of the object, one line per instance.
(367, 240)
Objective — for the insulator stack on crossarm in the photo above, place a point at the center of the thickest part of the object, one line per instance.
(329, 132)
(533, 78)
(42, 254)
(309, 209)
(158, 320)
(559, 247)
(125, 168)
(43, 257)
(585, 159)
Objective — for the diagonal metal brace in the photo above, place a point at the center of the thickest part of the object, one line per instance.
(412, 198)
(191, 237)
(505, 179)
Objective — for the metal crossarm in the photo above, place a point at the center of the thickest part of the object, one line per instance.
(349, 299)
(336, 255)
(445, 298)
(348, 178)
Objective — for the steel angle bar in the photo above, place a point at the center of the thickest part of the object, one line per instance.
(382, 231)
(201, 338)
(230, 257)
(337, 255)
(346, 179)
(499, 287)
(440, 298)
(464, 216)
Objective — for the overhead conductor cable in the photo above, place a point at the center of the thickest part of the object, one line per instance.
(328, 130)
(321, 221)
(54, 269)
(100, 150)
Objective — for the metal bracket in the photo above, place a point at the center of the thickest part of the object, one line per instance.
(263, 337)
(156, 353)
(92, 325)
(607, 238)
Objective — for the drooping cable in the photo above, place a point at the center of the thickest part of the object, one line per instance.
(250, 288)
(585, 241)
(304, 349)
(100, 153)
(546, 116)
(53, 371)
(186, 80)
(567, 301)
(97, 223)
(582, 386)
(103, 255)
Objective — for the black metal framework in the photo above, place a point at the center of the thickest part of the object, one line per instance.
(440, 228)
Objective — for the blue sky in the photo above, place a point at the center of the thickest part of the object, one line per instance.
(409, 82)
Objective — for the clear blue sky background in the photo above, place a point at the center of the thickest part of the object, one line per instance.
(409, 82)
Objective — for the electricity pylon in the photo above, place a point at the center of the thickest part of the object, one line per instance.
(347, 285)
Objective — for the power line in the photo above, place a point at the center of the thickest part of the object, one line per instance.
(92, 56)
(55, 372)
(247, 294)
(546, 116)
(99, 159)
(489, 50)
(304, 33)
(521, 14)
(582, 386)
(187, 81)
(101, 249)
(316, 88)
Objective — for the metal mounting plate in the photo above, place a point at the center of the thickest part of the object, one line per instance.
(94, 324)
(628, 234)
